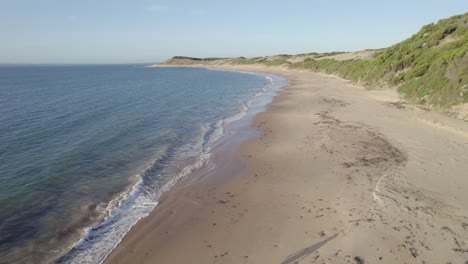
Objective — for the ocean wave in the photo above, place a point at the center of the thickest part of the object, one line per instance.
(125, 210)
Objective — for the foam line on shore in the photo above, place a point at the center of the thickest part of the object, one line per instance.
(126, 209)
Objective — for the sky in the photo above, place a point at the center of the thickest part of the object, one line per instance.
(143, 31)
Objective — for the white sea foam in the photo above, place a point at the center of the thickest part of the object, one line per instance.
(129, 207)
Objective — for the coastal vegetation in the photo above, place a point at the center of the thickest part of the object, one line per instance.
(429, 68)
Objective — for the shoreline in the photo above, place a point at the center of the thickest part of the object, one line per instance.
(96, 243)
(339, 174)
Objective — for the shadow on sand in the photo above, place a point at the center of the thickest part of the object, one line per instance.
(307, 251)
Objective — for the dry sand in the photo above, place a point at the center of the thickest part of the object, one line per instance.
(339, 175)
(362, 55)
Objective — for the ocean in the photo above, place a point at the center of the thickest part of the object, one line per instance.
(86, 151)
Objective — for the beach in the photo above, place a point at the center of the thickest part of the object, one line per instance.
(336, 174)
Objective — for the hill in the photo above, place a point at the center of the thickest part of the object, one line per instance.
(429, 68)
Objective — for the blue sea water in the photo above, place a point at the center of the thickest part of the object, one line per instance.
(85, 151)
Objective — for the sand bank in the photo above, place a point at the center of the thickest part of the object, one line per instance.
(339, 175)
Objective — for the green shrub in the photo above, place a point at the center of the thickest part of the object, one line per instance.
(421, 66)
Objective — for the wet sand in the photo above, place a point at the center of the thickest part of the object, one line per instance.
(339, 174)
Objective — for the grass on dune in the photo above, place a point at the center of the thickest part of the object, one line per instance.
(431, 67)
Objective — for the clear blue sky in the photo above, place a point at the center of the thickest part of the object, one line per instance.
(126, 31)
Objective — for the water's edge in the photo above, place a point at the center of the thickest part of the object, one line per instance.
(138, 201)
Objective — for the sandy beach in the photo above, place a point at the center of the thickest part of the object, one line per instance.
(339, 174)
